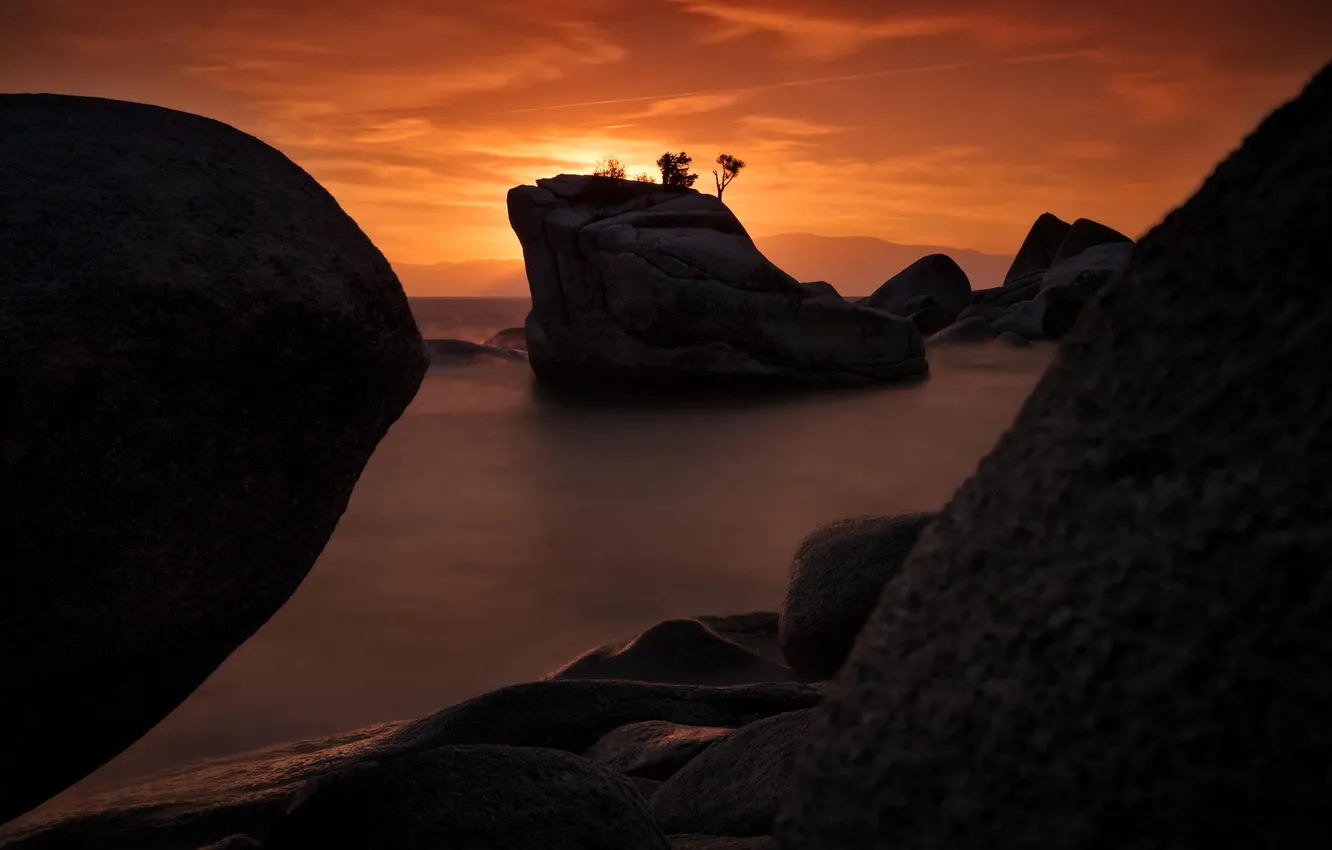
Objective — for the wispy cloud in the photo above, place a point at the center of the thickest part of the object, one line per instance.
(801, 83)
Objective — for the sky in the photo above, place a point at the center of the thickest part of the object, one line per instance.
(943, 122)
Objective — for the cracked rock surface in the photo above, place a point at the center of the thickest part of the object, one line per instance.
(641, 284)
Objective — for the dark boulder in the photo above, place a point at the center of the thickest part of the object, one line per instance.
(248, 792)
(473, 798)
(930, 320)
(686, 651)
(653, 749)
(199, 350)
(1039, 247)
(1083, 234)
(970, 330)
(937, 276)
(1116, 634)
(837, 576)
(735, 786)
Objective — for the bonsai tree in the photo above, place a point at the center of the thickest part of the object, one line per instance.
(730, 167)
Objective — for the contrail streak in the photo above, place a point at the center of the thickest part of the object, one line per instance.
(813, 81)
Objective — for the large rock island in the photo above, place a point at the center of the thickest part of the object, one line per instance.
(644, 285)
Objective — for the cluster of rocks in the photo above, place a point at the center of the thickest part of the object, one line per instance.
(637, 284)
(684, 736)
(1059, 267)
(1115, 635)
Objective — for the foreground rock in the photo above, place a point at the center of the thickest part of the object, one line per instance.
(735, 786)
(697, 651)
(199, 351)
(653, 749)
(518, 798)
(837, 576)
(1116, 634)
(934, 276)
(639, 284)
(248, 793)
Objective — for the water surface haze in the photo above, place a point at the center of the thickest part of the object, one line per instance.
(497, 532)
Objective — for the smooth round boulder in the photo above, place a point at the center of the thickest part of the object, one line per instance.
(836, 578)
(936, 276)
(735, 786)
(473, 797)
(199, 350)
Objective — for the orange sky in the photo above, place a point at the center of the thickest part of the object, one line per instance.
(950, 122)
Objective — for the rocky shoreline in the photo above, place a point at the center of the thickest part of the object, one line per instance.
(1114, 635)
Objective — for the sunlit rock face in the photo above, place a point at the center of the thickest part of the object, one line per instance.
(641, 284)
(199, 350)
(1116, 634)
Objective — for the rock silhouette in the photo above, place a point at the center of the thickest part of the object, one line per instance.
(643, 285)
(1116, 633)
(199, 350)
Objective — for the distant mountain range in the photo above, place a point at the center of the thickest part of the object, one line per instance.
(856, 265)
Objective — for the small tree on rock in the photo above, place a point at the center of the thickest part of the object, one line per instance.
(675, 169)
(644, 177)
(610, 167)
(730, 167)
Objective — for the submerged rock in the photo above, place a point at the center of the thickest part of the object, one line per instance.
(460, 352)
(1116, 634)
(646, 285)
(514, 339)
(199, 350)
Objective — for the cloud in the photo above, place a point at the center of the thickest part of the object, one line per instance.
(779, 125)
(692, 104)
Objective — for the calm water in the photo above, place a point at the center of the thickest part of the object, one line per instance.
(495, 534)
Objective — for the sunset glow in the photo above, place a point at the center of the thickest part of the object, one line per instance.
(950, 122)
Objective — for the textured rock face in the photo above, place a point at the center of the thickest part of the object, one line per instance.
(638, 284)
(937, 276)
(474, 797)
(1116, 635)
(735, 786)
(198, 353)
(248, 793)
